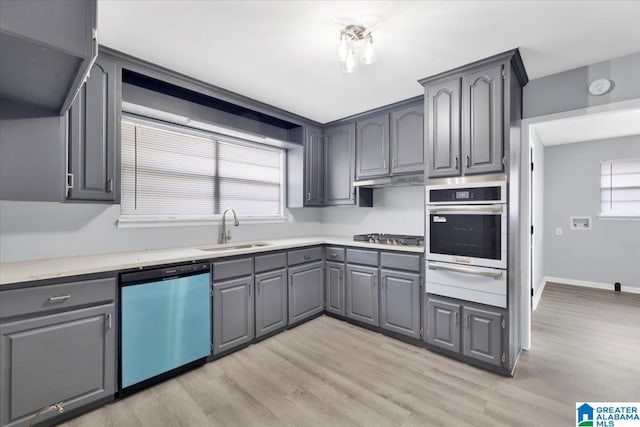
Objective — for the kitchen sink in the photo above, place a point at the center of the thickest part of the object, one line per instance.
(234, 247)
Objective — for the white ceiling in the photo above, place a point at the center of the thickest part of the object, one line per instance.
(592, 127)
(284, 52)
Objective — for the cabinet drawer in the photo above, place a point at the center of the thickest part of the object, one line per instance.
(53, 297)
(400, 261)
(232, 268)
(334, 254)
(358, 256)
(270, 262)
(304, 255)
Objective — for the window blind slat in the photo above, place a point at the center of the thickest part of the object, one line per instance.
(620, 187)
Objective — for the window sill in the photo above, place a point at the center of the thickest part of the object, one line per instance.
(133, 221)
(619, 217)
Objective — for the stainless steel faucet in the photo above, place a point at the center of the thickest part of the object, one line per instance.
(226, 234)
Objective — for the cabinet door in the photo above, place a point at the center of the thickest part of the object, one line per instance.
(362, 294)
(482, 336)
(372, 147)
(339, 165)
(400, 302)
(92, 136)
(443, 128)
(443, 324)
(68, 357)
(271, 301)
(232, 313)
(334, 288)
(407, 140)
(313, 164)
(482, 118)
(306, 291)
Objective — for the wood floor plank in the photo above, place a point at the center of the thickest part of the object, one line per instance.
(586, 346)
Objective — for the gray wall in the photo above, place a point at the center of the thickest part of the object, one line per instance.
(32, 230)
(610, 251)
(569, 90)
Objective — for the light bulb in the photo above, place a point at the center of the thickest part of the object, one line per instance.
(369, 55)
(350, 63)
(343, 47)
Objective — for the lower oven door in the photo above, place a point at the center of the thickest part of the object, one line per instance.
(478, 284)
(467, 234)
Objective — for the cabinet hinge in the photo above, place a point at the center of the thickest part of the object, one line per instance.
(531, 291)
(211, 347)
(532, 229)
(504, 73)
(94, 34)
(211, 291)
(531, 166)
(504, 323)
(503, 358)
(504, 160)
(421, 332)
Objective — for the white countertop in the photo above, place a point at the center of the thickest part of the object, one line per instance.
(50, 268)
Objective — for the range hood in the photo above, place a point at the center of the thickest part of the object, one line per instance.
(391, 181)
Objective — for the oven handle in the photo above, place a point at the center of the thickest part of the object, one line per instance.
(496, 274)
(467, 208)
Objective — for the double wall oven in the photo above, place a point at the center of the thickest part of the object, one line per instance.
(466, 241)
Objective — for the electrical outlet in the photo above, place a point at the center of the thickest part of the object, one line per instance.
(559, 231)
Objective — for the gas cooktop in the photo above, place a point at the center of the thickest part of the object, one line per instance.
(390, 239)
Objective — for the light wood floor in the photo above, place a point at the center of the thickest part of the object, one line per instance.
(586, 347)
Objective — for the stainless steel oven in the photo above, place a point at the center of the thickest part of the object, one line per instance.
(466, 241)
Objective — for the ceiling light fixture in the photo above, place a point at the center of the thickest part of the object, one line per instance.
(351, 39)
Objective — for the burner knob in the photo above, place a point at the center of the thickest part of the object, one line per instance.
(371, 240)
(395, 242)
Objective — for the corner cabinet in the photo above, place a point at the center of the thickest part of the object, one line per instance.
(339, 165)
(469, 113)
(314, 167)
(93, 125)
(372, 147)
(57, 345)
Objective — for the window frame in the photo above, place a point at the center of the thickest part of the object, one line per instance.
(146, 221)
(615, 215)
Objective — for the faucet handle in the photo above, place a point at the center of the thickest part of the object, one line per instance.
(228, 235)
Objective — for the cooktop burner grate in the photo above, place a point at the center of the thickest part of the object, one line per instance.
(390, 239)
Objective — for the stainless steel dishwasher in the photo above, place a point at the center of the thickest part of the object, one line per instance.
(165, 323)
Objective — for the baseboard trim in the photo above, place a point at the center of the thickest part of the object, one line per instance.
(538, 295)
(587, 284)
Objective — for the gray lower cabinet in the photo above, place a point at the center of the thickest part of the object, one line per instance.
(334, 301)
(443, 324)
(66, 358)
(306, 291)
(362, 294)
(407, 140)
(482, 335)
(314, 167)
(400, 302)
(339, 165)
(232, 313)
(372, 147)
(92, 127)
(271, 301)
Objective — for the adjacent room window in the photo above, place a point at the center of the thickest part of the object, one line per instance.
(174, 172)
(620, 188)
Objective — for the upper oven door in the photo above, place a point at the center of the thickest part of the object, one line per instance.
(467, 234)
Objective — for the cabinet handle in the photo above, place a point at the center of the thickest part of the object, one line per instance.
(457, 318)
(384, 164)
(249, 290)
(307, 257)
(466, 321)
(109, 325)
(110, 185)
(456, 163)
(384, 281)
(334, 255)
(60, 298)
(259, 286)
(69, 183)
(308, 197)
(468, 163)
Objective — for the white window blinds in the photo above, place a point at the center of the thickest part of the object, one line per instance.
(620, 187)
(174, 172)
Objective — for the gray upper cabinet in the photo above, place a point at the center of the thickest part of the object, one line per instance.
(400, 302)
(442, 324)
(443, 128)
(372, 147)
(339, 165)
(232, 313)
(334, 288)
(47, 49)
(482, 118)
(362, 294)
(407, 140)
(271, 302)
(306, 291)
(314, 167)
(482, 335)
(92, 129)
